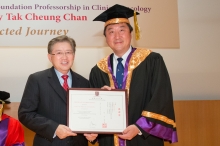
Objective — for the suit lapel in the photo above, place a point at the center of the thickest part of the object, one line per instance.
(75, 80)
(55, 84)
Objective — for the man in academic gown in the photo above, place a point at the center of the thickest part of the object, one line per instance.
(151, 119)
(11, 131)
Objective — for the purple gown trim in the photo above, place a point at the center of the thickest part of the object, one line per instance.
(19, 144)
(3, 131)
(153, 128)
(121, 141)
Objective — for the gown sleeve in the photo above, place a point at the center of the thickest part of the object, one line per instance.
(158, 118)
(15, 133)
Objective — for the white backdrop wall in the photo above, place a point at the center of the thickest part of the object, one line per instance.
(194, 68)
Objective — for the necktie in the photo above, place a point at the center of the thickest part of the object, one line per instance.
(120, 73)
(65, 84)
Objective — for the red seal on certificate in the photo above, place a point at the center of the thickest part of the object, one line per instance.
(104, 125)
(96, 93)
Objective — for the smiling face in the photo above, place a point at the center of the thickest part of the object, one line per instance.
(118, 37)
(62, 56)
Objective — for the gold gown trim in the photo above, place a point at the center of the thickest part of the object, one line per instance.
(158, 117)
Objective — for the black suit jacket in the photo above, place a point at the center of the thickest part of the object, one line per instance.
(44, 106)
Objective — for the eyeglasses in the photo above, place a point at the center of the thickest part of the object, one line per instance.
(61, 54)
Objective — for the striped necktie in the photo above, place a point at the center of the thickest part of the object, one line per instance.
(65, 84)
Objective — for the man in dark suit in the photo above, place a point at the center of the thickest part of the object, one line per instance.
(43, 108)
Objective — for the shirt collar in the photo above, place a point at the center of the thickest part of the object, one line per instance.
(59, 74)
(124, 57)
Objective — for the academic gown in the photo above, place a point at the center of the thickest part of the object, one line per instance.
(11, 132)
(150, 98)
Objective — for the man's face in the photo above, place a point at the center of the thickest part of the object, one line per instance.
(118, 37)
(63, 58)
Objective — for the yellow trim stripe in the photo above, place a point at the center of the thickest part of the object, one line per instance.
(116, 140)
(137, 57)
(2, 101)
(116, 20)
(1, 109)
(158, 117)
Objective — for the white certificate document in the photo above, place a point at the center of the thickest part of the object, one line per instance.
(93, 110)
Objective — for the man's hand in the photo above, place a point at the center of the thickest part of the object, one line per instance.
(63, 131)
(107, 87)
(130, 132)
(90, 137)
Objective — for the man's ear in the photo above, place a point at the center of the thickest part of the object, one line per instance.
(49, 56)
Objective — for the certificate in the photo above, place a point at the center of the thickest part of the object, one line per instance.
(92, 110)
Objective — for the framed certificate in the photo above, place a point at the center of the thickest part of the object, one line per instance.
(92, 110)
